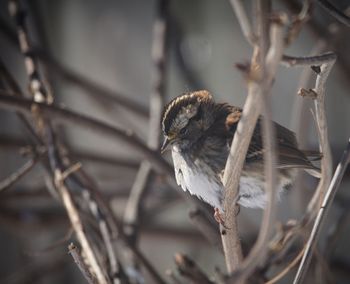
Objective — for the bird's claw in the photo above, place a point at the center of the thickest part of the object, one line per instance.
(219, 217)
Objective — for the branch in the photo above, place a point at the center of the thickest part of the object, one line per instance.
(116, 270)
(62, 114)
(243, 21)
(326, 162)
(94, 89)
(78, 227)
(16, 176)
(286, 60)
(200, 220)
(273, 57)
(41, 93)
(291, 61)
(251, 111)
(74, 252)
(288, 268)
(159, 56)
(322, 213)
(65, 115)
(335, 12)
(117, 229)
(12, 85)
(188, 268)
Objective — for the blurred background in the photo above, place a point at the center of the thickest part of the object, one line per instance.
(109, 44)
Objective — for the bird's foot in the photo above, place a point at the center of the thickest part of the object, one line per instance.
(219, 217)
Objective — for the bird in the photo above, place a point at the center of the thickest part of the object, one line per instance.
(200, 131)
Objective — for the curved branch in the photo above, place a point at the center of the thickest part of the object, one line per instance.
(290, 61)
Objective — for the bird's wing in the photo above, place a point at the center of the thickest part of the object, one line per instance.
(289, 156)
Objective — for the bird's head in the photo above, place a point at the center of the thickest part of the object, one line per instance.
(185, 118)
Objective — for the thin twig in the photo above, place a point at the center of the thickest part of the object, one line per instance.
(16, 176)
(286, 60)
(326, 162)
(335, 12)
(282, 273)
(159, 55)
(189, 269)
(92, 88)
(63, 114)
(36, 86)
(117, 229)
(316, 60)
(322, 213)
(115, 269)
(73, 251)
(89, 86)
(77, 224)
(13, 87)
(301, 118)
(200, 220)
(243, 21)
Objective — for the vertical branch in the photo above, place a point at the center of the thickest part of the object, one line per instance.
(301, 121)
(273, 57)
(321, 120)
(262, 71)
(159, 53)
(132, 211)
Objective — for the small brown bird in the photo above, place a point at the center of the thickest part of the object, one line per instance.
(200, 133)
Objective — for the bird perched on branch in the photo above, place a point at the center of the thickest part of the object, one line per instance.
(200, 132)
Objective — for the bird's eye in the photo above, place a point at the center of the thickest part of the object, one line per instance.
(183, 130)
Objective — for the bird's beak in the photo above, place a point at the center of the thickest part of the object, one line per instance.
(165, 145)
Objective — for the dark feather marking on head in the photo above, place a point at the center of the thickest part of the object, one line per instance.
(172, 109)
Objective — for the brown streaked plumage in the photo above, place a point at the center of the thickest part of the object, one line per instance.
(200, 132)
